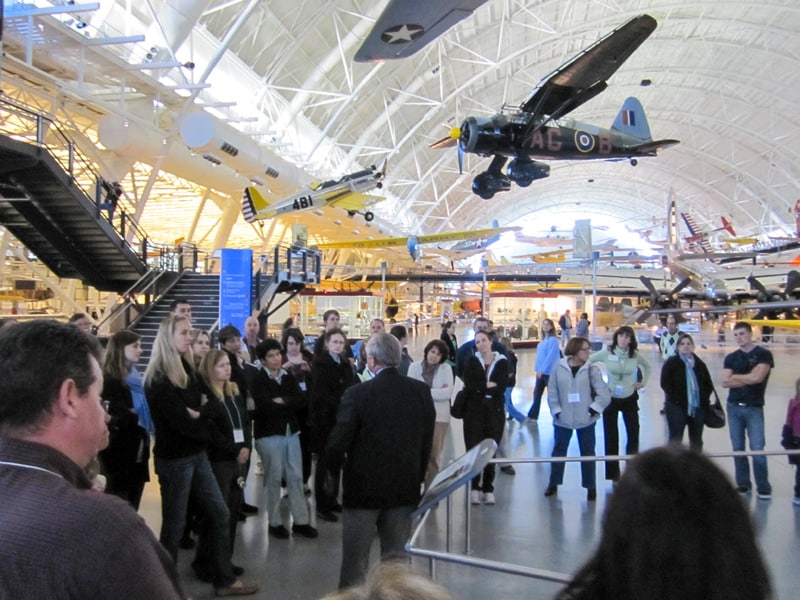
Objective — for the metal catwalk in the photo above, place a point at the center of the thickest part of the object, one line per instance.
(524, 527)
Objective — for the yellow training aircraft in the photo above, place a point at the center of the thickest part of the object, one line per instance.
(413, 242)
(347, 193)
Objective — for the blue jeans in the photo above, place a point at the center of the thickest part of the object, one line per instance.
(281, 457)
(586, 442)
(678, 420)
(358, 530)
(178, 477)
(749, 420)
(511, 409)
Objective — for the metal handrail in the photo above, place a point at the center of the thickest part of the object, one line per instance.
(129, 296)
(503, 567)
(41, 128)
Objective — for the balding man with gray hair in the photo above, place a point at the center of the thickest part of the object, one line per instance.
(384, 428)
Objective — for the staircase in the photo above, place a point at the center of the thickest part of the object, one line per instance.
(44, 206)
(201, 291)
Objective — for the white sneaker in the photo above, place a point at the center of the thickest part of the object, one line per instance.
(476, 497)
(796, 500)
(488, 498)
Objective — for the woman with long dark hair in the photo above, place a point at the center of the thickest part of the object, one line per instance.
(624, 363)
(673, 528)
(485, 381)
(125, 461)
(449, 338)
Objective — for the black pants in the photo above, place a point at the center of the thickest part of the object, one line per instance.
(484, 419)
(629, 407)
(538, 391)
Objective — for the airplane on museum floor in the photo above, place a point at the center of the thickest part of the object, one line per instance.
(346, 192)
(407, 26)
(413, 242)
(527, 134)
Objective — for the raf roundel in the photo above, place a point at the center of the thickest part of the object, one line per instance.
(584, 142)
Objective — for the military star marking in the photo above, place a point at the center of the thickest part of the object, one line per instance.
(400, 34)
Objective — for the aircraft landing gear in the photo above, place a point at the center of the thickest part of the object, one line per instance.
(368, 215)
(487, 184)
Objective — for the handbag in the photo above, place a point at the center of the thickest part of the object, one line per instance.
(714, 414)
(459, 404)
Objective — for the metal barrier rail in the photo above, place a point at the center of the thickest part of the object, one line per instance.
(503, 567)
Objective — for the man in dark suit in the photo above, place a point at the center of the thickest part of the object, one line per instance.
(384, 427)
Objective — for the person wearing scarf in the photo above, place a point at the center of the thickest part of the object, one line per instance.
(687, 389)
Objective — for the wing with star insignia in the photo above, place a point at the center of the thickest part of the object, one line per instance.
(406, 26)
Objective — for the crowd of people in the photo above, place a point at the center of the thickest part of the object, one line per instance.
(375, 422)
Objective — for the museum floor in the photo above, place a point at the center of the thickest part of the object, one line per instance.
(524, 527)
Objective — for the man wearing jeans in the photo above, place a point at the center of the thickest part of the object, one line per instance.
(746, 372)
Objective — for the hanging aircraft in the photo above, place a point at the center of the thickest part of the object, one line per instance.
(464, 249)
(535, 132)
(346, 192)
(407, 26)
(413, 242)
(698, 238)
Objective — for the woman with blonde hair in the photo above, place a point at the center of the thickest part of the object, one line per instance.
(229, 448)
(181, 463)
(125, 461)
(201, 344)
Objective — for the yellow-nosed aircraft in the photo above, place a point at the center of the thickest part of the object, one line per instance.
(346, 193)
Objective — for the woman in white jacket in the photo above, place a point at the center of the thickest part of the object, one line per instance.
(577, 396)
(435, 372)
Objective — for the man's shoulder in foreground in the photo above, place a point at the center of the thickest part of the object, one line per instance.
(61, 541)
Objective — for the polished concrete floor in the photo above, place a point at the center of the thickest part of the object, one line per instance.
(524, 527)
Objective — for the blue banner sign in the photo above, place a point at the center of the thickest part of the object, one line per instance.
(235, 285)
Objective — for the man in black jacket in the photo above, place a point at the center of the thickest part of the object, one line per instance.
(385, 428)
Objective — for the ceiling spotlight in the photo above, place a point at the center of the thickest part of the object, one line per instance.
(189, 65)
(645, 82)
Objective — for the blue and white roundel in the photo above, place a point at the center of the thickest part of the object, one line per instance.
(584, 142)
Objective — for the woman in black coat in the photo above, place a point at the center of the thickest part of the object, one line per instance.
(687, 387)
(125, 461)
(485, 382)
(449, 338)
(331, 374)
